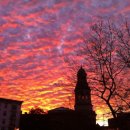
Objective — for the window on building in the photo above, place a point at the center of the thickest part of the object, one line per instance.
(5, 113)
(3, 122)
(79, 96)
(6, 105)
(84, 97)
(14, 107)
(3, 128)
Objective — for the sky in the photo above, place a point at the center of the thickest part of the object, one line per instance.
(36, 38)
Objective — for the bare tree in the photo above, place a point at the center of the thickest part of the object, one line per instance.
(105, 67)
(123, 38)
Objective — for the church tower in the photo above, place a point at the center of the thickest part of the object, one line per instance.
(83, 97)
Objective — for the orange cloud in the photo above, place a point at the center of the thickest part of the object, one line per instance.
(36, 37)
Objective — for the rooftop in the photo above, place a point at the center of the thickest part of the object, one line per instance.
(10, 100)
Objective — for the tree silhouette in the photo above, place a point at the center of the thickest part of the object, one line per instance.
(100, 48)
(123, 38)
(36, 110)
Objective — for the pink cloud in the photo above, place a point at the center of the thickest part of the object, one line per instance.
(35, 38)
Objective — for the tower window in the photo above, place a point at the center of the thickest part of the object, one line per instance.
(79, 97)
(84, 97)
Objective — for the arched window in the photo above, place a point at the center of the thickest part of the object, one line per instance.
(84, 97)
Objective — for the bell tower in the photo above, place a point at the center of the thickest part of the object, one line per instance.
(82, 91)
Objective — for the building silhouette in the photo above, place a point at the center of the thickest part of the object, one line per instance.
(83, 102)
(10, 111)
(122, 121)
(81, 118)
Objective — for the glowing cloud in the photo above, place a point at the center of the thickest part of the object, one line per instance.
(36, 36)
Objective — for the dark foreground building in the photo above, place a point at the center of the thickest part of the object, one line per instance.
(122, 122)
(10, 111)
(82, 118)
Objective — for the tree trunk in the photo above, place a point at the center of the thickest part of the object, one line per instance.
(111, 109)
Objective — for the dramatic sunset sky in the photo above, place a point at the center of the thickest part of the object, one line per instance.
(36, 36)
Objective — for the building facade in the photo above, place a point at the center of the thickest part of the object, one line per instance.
(10, 111)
